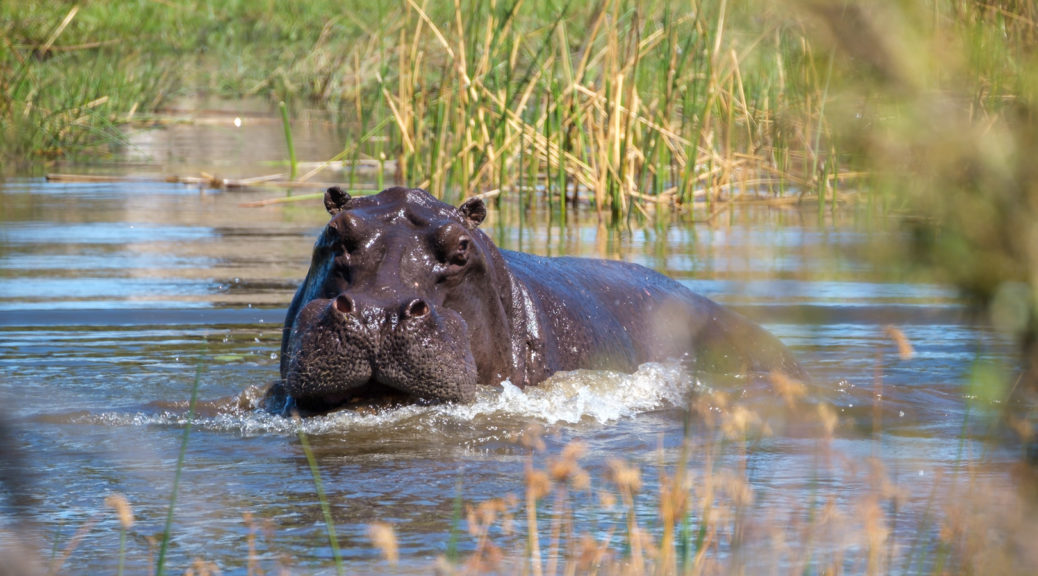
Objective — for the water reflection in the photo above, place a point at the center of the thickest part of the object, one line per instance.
(233, 139)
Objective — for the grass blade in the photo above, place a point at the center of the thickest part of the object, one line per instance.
(160, 564)
(326, 509)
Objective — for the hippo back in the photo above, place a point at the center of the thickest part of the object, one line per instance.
(607, 314)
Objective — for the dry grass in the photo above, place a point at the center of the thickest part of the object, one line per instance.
(612, 102)
(706, 518)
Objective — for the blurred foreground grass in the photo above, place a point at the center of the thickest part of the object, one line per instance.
(697, 507)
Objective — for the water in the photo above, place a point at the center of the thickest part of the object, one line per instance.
(114, 296)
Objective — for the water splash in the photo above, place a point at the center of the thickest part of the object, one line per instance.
(591, 396)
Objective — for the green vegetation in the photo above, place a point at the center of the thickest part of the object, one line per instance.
(167, 533)
(619, 102)
(939, 102)
(326, 511)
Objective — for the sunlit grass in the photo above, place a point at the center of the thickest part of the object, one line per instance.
(615, 102)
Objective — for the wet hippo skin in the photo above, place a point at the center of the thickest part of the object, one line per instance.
(405, 295)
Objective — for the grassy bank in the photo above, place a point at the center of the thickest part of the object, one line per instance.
(617, 102)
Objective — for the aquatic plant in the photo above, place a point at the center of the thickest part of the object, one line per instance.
(167, 532)
(623, 104)
(709, 519)
(315, 471)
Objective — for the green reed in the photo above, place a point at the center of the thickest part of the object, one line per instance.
(592, 90)
(326, 509)
(167, 532)
(293, 165)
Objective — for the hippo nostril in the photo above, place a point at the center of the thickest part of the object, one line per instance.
(416, 309)
(344, 304)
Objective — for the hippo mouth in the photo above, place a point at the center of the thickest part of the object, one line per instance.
(368, 397)
(337, 358)
(310, 397)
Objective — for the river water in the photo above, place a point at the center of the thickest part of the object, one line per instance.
(115, 297)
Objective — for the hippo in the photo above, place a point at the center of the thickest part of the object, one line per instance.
(407, 296)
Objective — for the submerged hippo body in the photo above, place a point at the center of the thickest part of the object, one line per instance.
(406, 295)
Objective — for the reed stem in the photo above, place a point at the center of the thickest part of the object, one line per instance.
(326, 509)
(293, 165)
(160, 565)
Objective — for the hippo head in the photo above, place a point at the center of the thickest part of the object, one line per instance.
(378, 310)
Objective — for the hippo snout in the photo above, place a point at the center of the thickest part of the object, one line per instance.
(342, 345)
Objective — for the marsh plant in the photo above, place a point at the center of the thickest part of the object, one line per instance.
(619, 103)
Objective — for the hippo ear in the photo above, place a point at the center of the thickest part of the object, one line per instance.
(335, 200)
(474, 211)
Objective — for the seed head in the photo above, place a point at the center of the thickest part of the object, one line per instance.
(384, 538)
(538, 485)
(627, 478)
(122, 508)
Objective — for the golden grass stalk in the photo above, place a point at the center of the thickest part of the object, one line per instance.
(122, 509)
(383, 536)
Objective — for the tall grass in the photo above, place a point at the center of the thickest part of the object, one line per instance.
(700, 511)
(619, 103)
(703, 514)
(696, 507)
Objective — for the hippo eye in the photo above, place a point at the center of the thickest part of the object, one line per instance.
(341, 267)
(345, 233)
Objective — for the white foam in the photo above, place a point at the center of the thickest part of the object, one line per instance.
(601, 396)
(565, 398)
